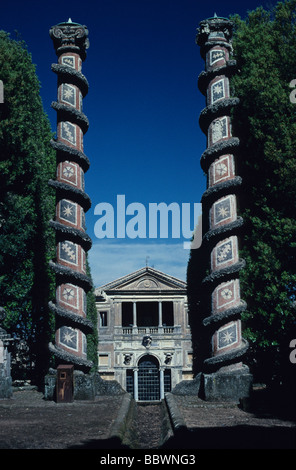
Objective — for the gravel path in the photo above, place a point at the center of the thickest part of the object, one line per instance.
(146, 426)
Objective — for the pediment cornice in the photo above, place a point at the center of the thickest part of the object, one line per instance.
(147, 280)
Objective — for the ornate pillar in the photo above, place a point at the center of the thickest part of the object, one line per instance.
(225, 375)
(70, 41)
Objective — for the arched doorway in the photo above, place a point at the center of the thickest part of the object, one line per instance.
(148, 379)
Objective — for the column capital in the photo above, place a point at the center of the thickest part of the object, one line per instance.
(70, 37)
(212, 26)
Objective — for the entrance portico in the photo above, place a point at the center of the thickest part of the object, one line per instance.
(149, 381)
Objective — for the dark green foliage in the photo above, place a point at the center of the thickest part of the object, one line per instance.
(26, 203)
(265, 121)
(92, 314)
(197, 269)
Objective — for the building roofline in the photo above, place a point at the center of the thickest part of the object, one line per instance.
(136, 274)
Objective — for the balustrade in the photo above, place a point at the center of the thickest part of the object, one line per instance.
(144, 330)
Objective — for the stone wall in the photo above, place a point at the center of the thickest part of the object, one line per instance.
(86, 386)
(5, 376)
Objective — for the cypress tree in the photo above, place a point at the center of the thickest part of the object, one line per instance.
(27, 162)
(92, 315)
(265, 121)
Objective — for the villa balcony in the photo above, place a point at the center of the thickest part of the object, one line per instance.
(148, 330)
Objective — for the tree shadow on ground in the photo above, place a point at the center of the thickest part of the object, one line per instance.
(111, 443)
(276, 404)
(234, 437)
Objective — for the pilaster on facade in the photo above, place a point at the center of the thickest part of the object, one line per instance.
(221, 304)
(70, 41)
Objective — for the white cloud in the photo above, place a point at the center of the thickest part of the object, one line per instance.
(111, 259)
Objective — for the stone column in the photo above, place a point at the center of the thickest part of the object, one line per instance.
(136, 395)
(70, 41)
(225, 375)
(161, 381)
(135, 314)
(177, 313)
(160, 313)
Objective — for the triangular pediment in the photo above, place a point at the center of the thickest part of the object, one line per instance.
(145, 279)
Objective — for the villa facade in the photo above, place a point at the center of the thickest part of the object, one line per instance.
(144, 334)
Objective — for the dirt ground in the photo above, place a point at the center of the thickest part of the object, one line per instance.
(27, 421)
(227, 426)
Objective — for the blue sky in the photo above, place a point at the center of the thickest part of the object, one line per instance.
(143, 105)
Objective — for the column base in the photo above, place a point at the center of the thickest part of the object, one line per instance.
(86, 386)
(227, 386)
(5, 387)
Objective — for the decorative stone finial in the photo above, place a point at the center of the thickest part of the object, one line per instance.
(216, 27)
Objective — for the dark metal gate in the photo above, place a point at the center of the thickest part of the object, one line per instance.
(148, 379)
